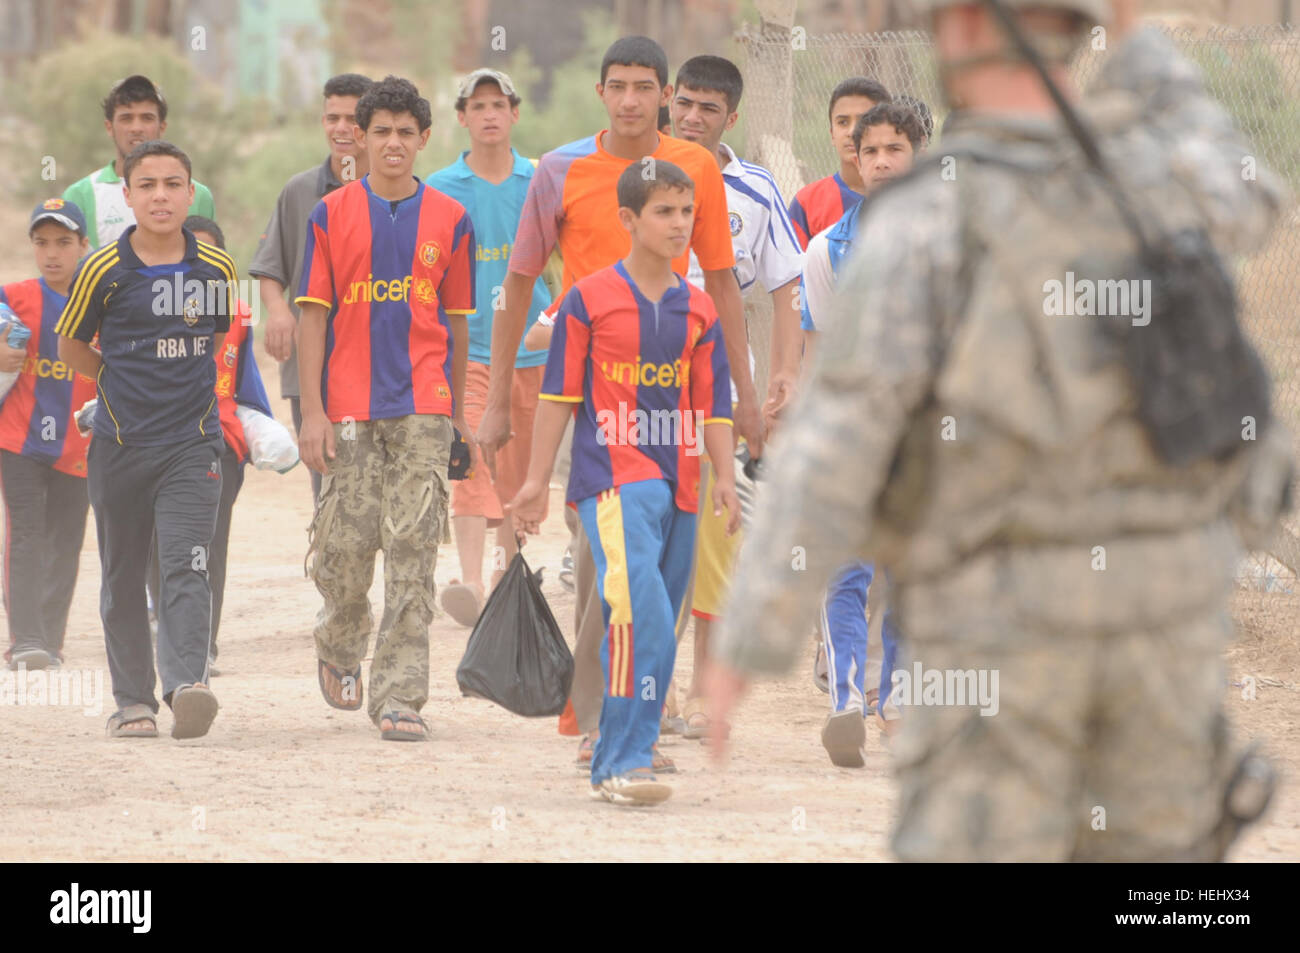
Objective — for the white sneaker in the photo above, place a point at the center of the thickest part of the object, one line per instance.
(632, 790)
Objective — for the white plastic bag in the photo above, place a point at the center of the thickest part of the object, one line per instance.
(270, 445)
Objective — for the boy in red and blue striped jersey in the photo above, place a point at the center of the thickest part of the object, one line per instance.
(387, 283)
(819, 205)
(42, 454)
(638, 355)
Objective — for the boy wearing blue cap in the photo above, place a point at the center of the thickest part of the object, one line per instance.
(42, 455)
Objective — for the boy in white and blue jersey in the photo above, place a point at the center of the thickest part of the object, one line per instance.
(767, 254)
(886, 138)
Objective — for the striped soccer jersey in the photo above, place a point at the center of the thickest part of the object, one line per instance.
(573, 202)
(36, 418)
(819, 205)
(762, 239)
(648, 375)
(390, 276)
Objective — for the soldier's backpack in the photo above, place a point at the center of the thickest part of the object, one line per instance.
(1196, 374)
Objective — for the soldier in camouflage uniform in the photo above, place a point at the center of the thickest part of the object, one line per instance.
(987, 451)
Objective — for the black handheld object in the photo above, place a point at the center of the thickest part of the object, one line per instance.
(458, 462)
(1196, 374)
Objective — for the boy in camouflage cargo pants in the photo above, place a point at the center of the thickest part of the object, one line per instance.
(387, 281)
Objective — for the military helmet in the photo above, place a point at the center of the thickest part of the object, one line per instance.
(1094, 11)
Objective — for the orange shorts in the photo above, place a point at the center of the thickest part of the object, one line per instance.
(479, 496)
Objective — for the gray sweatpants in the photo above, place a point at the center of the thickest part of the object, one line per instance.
(173, 490)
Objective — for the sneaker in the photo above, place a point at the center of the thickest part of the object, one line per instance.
(637, 788)
(844, 736)
(31, 657)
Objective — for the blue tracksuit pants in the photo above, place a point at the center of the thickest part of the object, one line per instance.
(642, 545)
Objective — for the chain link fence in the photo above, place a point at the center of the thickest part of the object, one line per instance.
(1254, 73)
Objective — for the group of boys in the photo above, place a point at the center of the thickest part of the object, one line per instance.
(616, 351)
(155, 376)
(404, 331)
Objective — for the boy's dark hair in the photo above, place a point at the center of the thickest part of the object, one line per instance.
(715, 74)
(636, 51)
(347, 84)
(201, 223)
(903, 118)
(154, 147)
(857, 86)
(397, 95)
(922, 112)
(134, 89)
(643, 177)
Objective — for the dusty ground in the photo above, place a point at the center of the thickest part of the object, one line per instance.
(283, 777)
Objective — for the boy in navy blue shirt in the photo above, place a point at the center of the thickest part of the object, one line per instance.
(159, 302)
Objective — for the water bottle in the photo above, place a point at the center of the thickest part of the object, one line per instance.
(19, 333)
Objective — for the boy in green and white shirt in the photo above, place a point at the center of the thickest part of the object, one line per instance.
(134, 112)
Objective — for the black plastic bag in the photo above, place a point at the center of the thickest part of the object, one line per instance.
(516, 655)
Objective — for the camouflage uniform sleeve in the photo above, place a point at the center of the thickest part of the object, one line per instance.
(874, 368)
(1239, 198)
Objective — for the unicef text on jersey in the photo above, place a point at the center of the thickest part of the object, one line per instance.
(190, 300)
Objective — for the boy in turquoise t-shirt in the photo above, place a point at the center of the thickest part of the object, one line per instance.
(491, 181)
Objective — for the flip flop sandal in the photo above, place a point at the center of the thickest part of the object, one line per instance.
(586, 748)
(194, 708)
(566, 571)
(118, 720)
(661, 763)
(697, 719)
(341, 677)
(397, 734)
(462, 603)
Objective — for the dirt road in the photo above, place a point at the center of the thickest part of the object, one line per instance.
(283, 777)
